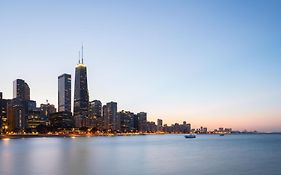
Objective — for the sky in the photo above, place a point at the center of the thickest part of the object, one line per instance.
(213, 63)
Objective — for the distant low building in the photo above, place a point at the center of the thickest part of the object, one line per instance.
(177, 128)
(185, 128)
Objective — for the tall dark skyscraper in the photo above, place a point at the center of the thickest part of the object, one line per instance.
(21, 89)
(81, 94)
(64, 93)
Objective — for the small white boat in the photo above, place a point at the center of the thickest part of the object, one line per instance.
(190, 136)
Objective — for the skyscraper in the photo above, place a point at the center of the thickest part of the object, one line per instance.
(64, 93)
(111, 118)
(81, 94)
(142, 117)
(21, 89)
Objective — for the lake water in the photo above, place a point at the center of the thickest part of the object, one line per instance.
(138, 155)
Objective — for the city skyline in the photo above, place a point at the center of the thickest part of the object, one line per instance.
(207, 73)
(22, 115)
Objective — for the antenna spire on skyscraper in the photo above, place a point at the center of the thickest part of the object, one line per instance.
(79, 57)
(82, 54)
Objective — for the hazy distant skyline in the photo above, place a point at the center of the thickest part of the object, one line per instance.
(211, 63)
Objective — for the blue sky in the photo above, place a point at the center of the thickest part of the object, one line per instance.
(212, 63)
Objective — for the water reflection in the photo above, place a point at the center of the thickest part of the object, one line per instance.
(171, 154)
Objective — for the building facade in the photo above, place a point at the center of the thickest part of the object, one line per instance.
(64, 93)
(142, 120)
(47, 109)
(95, 114)
(81, 94)
(127, 121)
(17, 115)
(111, 118)
(61, 120)
(159, 125)
(3, 114)
(21, 90)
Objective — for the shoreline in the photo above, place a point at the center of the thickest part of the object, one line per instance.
(19, 136)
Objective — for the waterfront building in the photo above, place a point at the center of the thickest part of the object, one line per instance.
(105, 118)
(64, 93)
(35, 118)
(135, 122)
(81, 94)
(202, 130)
(1, 96)
(127, 121)
(111, 119)
(228, 130)
(186, 127)
(159, 125)
(17, 115)
(95, 114)
(3, 114)
(178, 128)
(61, 120)
(142, 121)
(151, 127)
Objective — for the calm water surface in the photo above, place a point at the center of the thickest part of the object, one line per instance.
(151, 155)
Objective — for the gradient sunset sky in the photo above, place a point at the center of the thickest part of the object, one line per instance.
(214, 63)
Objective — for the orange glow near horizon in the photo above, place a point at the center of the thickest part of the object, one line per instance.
(252, 122)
